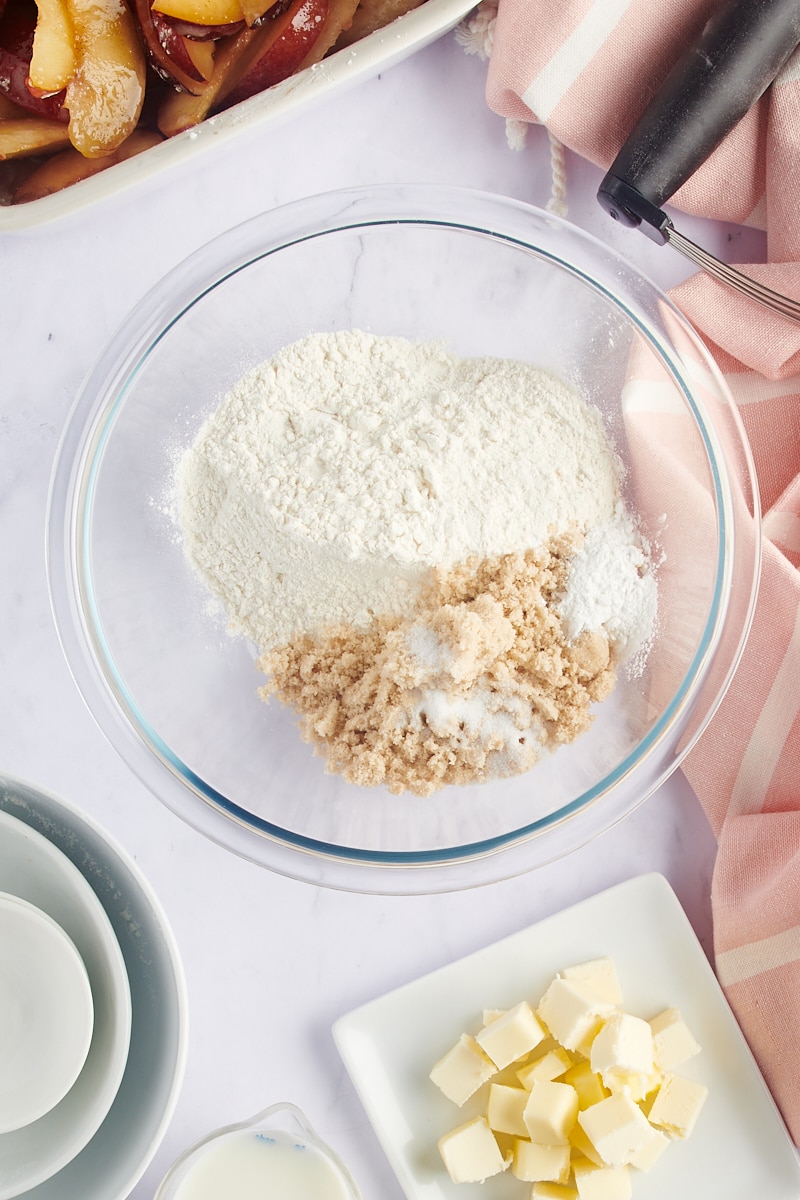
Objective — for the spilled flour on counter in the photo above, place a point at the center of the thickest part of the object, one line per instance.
(431, 554)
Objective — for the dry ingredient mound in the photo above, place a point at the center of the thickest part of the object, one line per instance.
(333, 478)
(431, 553)
(474, 685)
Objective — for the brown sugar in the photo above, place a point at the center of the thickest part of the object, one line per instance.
(474, 684)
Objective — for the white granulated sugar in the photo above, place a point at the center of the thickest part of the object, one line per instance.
(611, 587)
(334, 476)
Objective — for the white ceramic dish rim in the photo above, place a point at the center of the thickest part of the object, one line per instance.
(80, 630)
(82, 839)
(344, 69)
(93, 933)
(59, 1017)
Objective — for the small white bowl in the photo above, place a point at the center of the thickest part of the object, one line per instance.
(35, 870)
(46, 1013)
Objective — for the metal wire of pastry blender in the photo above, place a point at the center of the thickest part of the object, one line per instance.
(731, 276)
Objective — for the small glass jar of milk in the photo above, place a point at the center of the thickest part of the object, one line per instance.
(276, 1153)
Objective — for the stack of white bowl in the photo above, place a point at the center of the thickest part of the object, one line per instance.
(92, 1006)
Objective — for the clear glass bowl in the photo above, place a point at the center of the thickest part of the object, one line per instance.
(177, 696)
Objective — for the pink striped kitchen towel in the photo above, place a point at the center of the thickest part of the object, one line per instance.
(585, 69)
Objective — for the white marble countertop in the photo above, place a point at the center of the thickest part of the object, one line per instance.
(270, 962)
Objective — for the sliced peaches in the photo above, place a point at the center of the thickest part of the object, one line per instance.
(53, 60)
(304, 34)
(17, 32)
(294, 33)
(166, 48)
(253, 10)
(200, 12)
(181, 110)
(201, 55)
(69, 166)
(30, 135)
(105, 95)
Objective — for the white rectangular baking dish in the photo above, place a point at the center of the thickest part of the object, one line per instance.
(340, 70)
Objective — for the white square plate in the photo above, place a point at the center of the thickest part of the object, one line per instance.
(739, 1149)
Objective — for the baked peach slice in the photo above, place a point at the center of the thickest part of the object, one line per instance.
(53, 60)
(69, 166)
(30, 135)
(200, 12)
(105, 95)
(259, 57)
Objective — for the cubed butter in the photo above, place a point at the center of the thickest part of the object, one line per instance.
(461, 1071)
(601, 1183)
(677, 1105)
(622, 1054)
(551, 1112)
(471, 1153)
(533, 1163)
(644, 1159)
(572, 1014)
(551, 1065)
(598, 975)
(673, 1041)
(617, 1128)
(511, 1036)
(581, 1147)
(553, 1191)
(505, 1108)
(587, 1084)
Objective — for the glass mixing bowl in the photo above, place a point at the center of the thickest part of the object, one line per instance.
(176, 695)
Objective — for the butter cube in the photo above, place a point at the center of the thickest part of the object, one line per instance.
(598, 976)
(643, 1159)
(622, 1054)
(550, 1112)
(511, 1036)
(533, 1163)
(553, 1191)
(581, 1147)
(617, 1128)
(601, 1183)
(461, 1071)
(548, 1066)
(505, 1108)
(471, 1153)
(572, 1014)
(587, 1084)
(673, 1041)
(677, 1105)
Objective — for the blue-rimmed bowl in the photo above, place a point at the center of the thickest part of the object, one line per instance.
(177, 696)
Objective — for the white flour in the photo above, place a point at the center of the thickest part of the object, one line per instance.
(333, 477)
